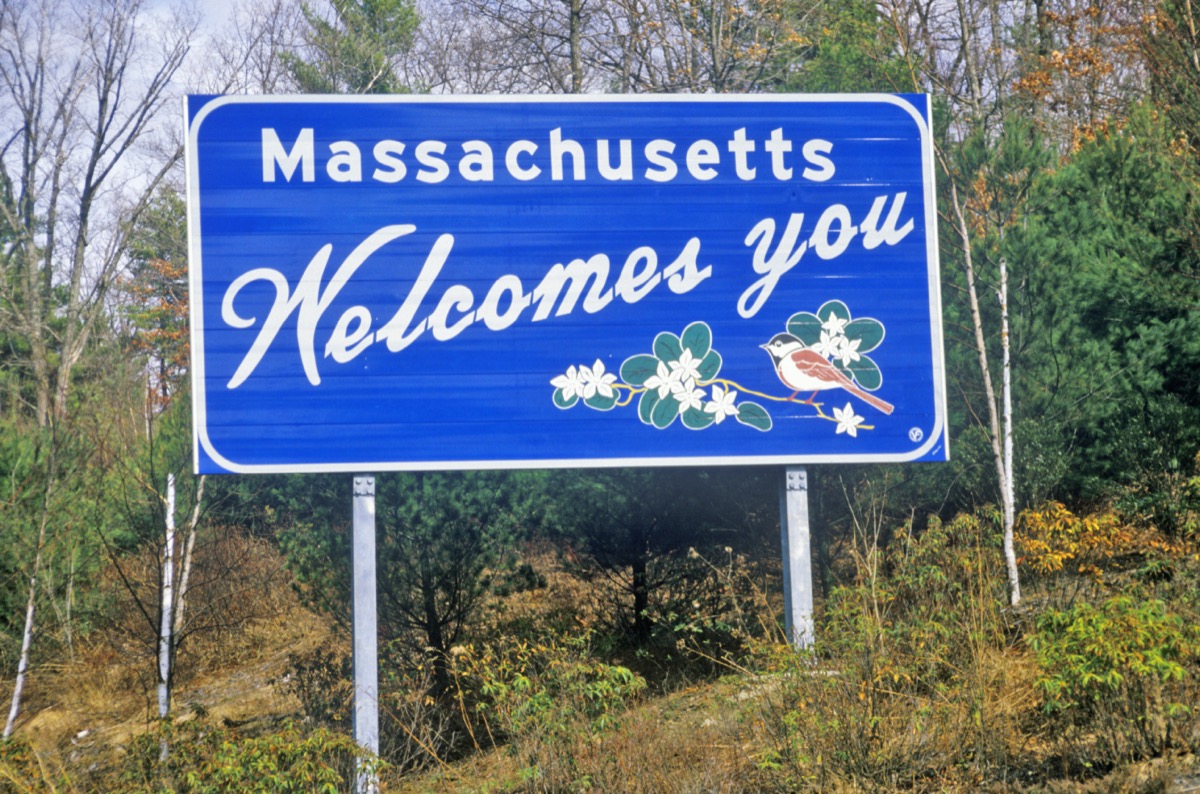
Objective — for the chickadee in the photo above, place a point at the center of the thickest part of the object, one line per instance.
(802, 369)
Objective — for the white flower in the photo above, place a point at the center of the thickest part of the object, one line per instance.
(836, 326)
(849, 351)
(688, 395)
(721, 405)
(830, 345)
(847, 420)
(595, 379)
(687, 367)
(571, 383)
(662, 380)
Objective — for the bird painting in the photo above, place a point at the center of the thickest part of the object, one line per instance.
(803, 369)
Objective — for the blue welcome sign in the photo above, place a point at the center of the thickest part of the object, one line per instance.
(384, 283)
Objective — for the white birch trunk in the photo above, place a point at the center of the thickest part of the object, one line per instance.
(27, 639)
(168, 601)
(185, 572)
(14, 708)
(1002, 451)
(1009, 493)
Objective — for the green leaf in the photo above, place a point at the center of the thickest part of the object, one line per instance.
(805, 327)
(868, 330)
(664, 413)
(667, 347)
(697, 338)
(710, 366)
(560, 400)
(696, 419)
(829, 308)
(637, 369)
(865, 372)
(754, 415)
(600, 402)
(646, 406)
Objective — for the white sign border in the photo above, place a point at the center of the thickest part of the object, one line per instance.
(195, 280)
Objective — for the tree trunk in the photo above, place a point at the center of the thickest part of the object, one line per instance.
(575, 25)
(1009, 495)
(14, 708)
(435, 640)
(185, 572)
(641, 599)
(26, 640)
(1001, 445)
(168, 599)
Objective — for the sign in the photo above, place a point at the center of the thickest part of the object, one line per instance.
(383, 283)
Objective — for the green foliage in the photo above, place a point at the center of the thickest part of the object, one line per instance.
(210, 760)
(544, 697)
(847, 47)
(636, 529)
(53, 480)
(1114, 668)
(354, 52)
(1109, 337)
(22, 771)
(899, 690)
(322, 681)
(439, 538)
(1087, 652)
(1101, 255)
(157, 288)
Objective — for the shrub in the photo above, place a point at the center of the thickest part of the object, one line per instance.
(23, 771)
(213, 760)
(1112, 677)
(544, 699)
(915, 682)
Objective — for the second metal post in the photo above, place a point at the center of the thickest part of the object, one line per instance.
(797, 557)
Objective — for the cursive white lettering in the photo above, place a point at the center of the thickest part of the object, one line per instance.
(580, 282)
(832, 236)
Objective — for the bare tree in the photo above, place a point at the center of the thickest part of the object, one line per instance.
(244, 58)
(717, 46)
(456, 51)
(542, 46)
(1064, 63)
(81, 87)
(623, 46)
(954, 49)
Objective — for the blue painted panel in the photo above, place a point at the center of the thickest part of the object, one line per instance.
(425, 282)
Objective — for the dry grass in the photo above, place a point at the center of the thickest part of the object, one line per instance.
(924, 683)
(228, 669)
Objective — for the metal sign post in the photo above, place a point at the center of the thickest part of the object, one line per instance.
(797, 558)
(366, 642)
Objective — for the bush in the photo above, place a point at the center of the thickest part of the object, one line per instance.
(915, 681)
(23, 771)
(1113, 676)
(212, 760)
(544, 699)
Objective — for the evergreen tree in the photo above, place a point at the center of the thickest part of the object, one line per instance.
(354, 51)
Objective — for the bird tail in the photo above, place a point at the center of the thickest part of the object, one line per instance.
(886, 407)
